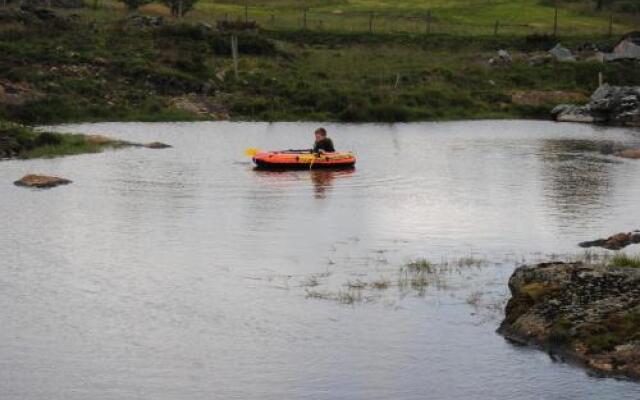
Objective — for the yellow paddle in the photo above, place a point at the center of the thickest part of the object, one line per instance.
(251, 152)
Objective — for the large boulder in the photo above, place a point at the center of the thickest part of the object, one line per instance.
(615, 105)
(41, 181)
(584, 312)
(628, 48)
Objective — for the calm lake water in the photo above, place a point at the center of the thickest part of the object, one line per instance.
(185, 274)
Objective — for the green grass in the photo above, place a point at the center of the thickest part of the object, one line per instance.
(19, 141)
(69, 145)
(617, 329)
(624, 260)
(467, 17)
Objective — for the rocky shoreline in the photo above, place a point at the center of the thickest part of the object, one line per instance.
(579, 312)
(612, 105)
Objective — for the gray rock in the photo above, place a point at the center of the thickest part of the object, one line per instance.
(539, 59)
(503, 58)
(628, 48)
(562, 54)
(143, 21)
(503, 54)
(572, 113)
(615, 105)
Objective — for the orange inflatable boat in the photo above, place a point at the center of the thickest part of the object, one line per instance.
(303, 159)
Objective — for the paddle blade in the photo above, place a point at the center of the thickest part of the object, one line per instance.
(251, 152)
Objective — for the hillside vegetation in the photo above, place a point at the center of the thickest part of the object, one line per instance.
(101, 64)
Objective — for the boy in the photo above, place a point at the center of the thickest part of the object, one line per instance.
(323, 144)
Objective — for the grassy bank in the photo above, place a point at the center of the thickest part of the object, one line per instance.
(18, 141)
(88, 69)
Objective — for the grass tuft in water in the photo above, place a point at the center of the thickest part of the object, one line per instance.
(357, 284)
(624, 260)
(381, 284)
(420, 265)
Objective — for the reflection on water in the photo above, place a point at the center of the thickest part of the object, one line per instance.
(578, 174)
(184, 273)
(321, 179)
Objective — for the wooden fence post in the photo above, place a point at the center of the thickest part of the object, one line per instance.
(304, 18)
(371, 23)
(246, 12)
(234, 53)
(496, 28)
(555, 23)
(429, 22)
(611, 25)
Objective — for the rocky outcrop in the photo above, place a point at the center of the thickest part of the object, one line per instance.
(615, 242)
(614, 105)
(585, 313)
(41, 181)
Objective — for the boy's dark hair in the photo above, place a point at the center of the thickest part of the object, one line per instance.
(321, 131)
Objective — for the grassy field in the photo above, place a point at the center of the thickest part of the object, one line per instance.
(468, 17)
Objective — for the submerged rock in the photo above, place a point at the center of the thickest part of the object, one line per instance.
(157, 145)
(615, 242)
(41, 181)
(633, 154)
(587, 313)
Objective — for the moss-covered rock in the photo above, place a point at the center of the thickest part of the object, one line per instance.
(588, 313)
